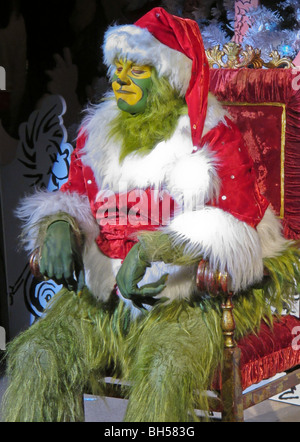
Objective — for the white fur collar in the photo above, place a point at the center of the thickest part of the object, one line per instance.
(170, 165)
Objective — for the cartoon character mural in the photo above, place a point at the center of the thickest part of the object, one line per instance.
(42, 161)
(44, 128)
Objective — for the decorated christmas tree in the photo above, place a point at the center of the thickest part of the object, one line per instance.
(267, 25)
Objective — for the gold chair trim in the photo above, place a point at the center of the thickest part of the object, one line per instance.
(233, 56)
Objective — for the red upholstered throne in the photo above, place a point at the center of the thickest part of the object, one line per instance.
(264, 101)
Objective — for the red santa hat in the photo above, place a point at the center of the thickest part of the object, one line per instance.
(174, 46)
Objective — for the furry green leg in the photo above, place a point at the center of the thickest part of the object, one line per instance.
(180, 345)
(52, 363)
(175, 360)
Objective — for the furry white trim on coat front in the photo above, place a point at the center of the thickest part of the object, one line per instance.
(138, 45)
(171, 165)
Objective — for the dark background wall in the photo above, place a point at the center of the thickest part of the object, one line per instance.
(33, 38)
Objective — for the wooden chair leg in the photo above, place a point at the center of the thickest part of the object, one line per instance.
(231, 392)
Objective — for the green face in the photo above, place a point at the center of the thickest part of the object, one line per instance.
(131, 84)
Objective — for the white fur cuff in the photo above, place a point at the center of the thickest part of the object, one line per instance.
(34, 208)
(229, 244)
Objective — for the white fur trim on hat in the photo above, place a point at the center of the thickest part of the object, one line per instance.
(138, 44)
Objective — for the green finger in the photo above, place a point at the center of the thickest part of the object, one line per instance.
(161, 281)
(141, 301)
(154, 287)
(152, 291)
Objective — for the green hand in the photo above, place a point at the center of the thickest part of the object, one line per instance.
(61, 256)
(131, 273)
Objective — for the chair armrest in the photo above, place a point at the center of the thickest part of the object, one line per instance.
(34, 264)
(218, 284)
(214, 282)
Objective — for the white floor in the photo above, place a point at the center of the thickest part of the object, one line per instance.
(112, 410)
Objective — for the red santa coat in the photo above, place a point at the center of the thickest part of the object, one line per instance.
(239, 193)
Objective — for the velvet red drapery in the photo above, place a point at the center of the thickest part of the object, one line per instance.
(258, 100)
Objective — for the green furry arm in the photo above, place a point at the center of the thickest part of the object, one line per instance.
(158, 246)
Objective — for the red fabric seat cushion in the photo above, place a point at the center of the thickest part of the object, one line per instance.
(271, 351)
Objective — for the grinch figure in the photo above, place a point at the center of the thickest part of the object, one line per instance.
(160, 179)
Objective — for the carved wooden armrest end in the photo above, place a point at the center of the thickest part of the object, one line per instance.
(34, 264)
(218, 283)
